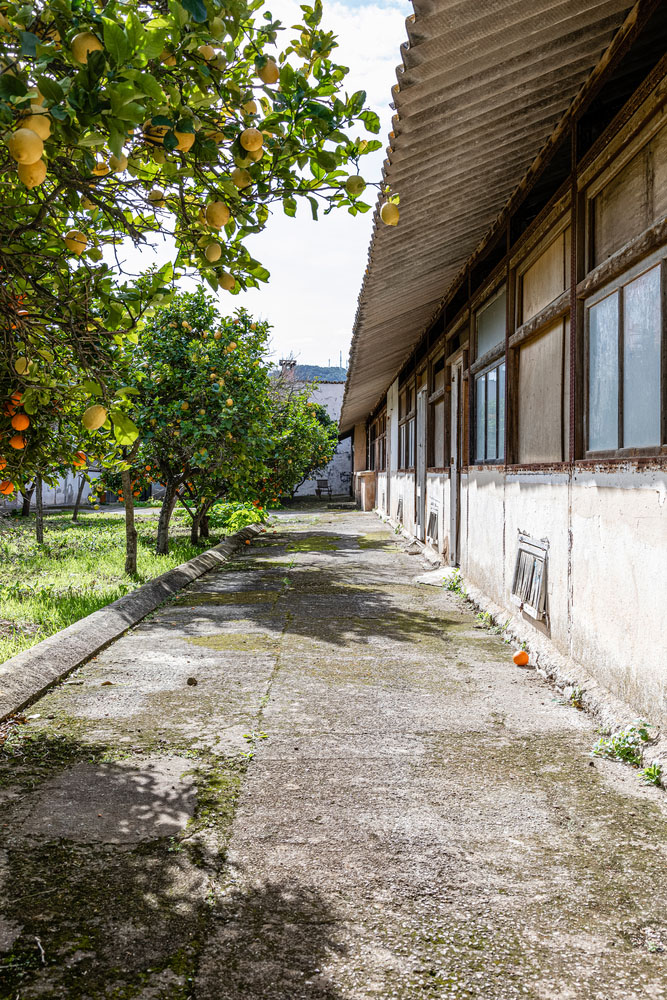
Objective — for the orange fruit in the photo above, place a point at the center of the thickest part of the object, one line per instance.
(3, 463)
(521, 658)
(6, 487)
(20, 422)
(17, 442)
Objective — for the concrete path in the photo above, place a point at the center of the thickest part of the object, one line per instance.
(307, 778)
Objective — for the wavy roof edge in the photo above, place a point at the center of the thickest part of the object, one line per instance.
(565, 18)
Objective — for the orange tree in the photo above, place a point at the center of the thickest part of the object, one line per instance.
(131, 121)
(302, 442)
(199, 392)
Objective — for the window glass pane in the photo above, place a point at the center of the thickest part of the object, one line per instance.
(641, 361)
(603, 375)
(491, 404)
(439, 434)
(491, 324)
(501, 411)
(411, 443)
(480, 417)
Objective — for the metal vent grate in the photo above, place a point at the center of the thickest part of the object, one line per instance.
(399, 510)
(432, 527)
(383, 505)
(529, 585)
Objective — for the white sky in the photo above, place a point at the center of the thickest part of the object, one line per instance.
(316, 267)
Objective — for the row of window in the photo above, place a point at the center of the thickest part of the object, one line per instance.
(625, 344)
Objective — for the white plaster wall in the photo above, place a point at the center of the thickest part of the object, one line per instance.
(381, 492)
(483, 557)
(619, 582)
(536, 504)
(403, 485)
(338, 472)
(437, 497)
(64, 492)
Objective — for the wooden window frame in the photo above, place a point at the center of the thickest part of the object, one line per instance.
(434, 396)
(616, 285)
(473, 435)
(407, 418)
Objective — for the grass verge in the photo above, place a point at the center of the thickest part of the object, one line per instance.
(77, 570)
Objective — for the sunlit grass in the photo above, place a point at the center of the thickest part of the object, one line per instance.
(78, 570)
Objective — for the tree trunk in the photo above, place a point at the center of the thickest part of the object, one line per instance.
(39, 513)
(27, 497)
(194, 530)
(79, 494)
(204, 527)
(168, 504)
(130, 530)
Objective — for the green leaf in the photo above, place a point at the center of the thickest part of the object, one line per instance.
(92, 139)
(326, 160)
(149, 86)
(370, 120)
(125, 430)
(196, 9)
(136, 35)
(29, 43)
(11, 86)
(91, 387)
(115, 41)
(51, 90)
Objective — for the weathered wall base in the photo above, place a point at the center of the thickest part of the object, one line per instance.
(607, 580)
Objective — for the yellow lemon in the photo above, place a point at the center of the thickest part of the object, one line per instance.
(38, 121)
(25, 146)
(241, 178)
(76, 241)
(213, 252)
(83, 44)
(156, 198)
(118, 163)
(94, 417)
(185, 141)
(251, 139)
(32, 174)
(269, 73)
(389, 214)
(217, 214)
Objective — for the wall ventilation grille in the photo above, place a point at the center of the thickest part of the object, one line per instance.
(529, 585)
(399, 510)
(432, 527)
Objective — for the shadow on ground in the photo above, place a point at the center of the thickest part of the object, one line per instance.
(114, 883)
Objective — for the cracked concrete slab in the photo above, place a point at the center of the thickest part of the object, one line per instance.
(113, 803)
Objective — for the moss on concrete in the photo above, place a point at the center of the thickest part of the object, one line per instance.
(242, 642)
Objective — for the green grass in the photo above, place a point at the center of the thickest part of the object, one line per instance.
(77, 570)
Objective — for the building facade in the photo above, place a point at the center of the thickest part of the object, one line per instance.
(515, 417)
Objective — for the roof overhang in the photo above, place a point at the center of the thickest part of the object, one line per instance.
(482, 89)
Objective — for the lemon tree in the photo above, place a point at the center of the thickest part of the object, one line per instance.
(125, 121)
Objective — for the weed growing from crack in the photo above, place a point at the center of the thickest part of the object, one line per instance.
(626, 745)
(652, 774)
(454, 584)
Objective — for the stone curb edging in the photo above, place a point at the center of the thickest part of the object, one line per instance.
(26, 676)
